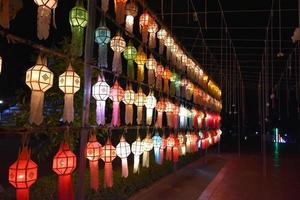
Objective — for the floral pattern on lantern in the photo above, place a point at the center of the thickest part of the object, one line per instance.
(116, 95)
(117, 44)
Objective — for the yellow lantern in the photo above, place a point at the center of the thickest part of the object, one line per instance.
(148, 146)
(152, 29)
(139, 101)
(151, 65)
(39, 79)
(129, 101)
(161, 35)
(140, 60)
(69, 83)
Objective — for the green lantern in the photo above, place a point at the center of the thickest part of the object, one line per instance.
(173, 79)
(130, 54)
(102, 38)
(177, 83)
(78, 18)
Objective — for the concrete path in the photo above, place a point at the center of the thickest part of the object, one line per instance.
(186, 183)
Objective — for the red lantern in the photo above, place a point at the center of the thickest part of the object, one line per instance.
(108, 155)
(176, 149)
(64, 163)
(160, 107)
(93, 153)
(162, 148)
(166, 76)
(116, 95)
(22, 174)
(170, 144)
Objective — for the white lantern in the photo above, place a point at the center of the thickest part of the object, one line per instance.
(148, 146)
(123, 151)
(137, 149)
(139, 101)
(129, 96)
(150, 105)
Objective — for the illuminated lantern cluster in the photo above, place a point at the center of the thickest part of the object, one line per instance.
(129, 54)
(44, 17)
(150, 105)
(108, 155)
(22, 174)
(137, 149)
(157, 142)
(123, 151)
(93, 154)
(64, 164)
(100, 92)
(141, 59)
(116, 95)
(139, 101)
(69, 83)
(131, 13)
(78, 19)
(117, 44)
(102, 38)
(148, 146)
(129, 96)
(39, 79)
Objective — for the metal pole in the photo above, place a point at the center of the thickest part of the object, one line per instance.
(88, 54)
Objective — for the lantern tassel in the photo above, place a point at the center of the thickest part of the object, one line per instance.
(94, 174)
(124, 168)
(139, 119)
(130, 69)
(104, 5)
(151, 75)
(136, 163)
(108, 175)
(102, 56)
(161, 47)
(116, 114)
(68, 108)
(175, 154)
(158, 83)
(152, 41)
(146, 159)
(145, 34)
(159, 120)
(22, 194)
(65, 187)
(128, 114)
(100, 112)
(140, 73)
(183, 149)
(168, 54)
(4, 14)
(170, 119)
(120, 11)
(157, 155)
(169, 153)
(77, 41)
(36, 107)
(161, 156)
(149, 113)
(43, 22)
(117, 63)
(166, 86)
(129, 23)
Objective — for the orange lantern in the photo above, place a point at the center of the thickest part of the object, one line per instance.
(140, 59)
(22, 174)
(64, 163)
(176, 149)
(159, 70)
(160, 107)
(145, 19)
(152, 29)
(108, 155)
(166, 76)
(93, 154)
(120, 10)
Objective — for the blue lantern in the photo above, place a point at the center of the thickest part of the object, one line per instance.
(157, 143)
(102, 38)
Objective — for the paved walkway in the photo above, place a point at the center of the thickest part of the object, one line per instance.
(186, 183)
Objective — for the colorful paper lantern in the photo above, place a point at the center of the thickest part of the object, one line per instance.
(175, 116)
(108, 155)
(123, 151)
(100, 92)
(64, 163)
(44, 17)
(158, 73)
(173, 49)
(78, 19)
(39, 79)
(150, 105)
(1, 64)
(129, 96)
(152, 29)
(173, 79)
(157, 142)
(120, 10)
(131, 13)
(148, 146)
(161, 35)
(117, 44)
(166, 76)
(151, 65)
(169, 41)
(93, 154)
(129, 54)
(139, 101)
(189, 91)
(160, 107)
(178, 87)
(182, 117)
(69, 83)
(188, 141)
(175, 149)
(182, 147)
(145, 19)
(170, 144)
(116, 95)
(102, 38)
(178, 55)
(104, 5)
(22, 174)
(170, 114)
(140, 60)
(162, 148)
(137, 149)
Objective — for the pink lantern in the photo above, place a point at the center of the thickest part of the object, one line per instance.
(116, 95)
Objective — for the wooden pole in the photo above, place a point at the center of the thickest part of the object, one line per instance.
(88, 54)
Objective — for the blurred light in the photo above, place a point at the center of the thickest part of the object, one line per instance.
(1, 101)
